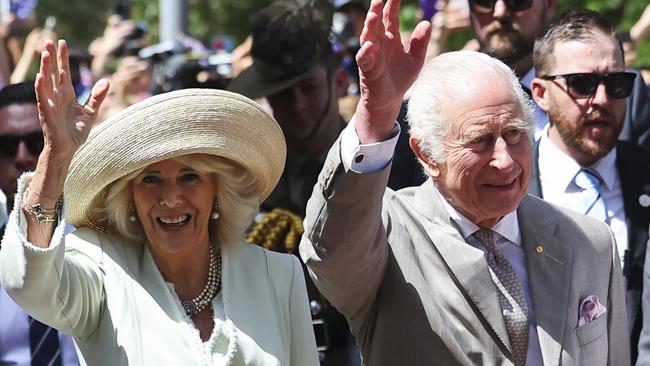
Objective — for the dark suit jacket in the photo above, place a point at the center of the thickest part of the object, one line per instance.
(636, 128)
(633, 163)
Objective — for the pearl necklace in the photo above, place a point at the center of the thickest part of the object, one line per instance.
(211, 289)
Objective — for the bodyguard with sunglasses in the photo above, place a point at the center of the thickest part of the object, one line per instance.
(579, 163)
(506, 29)
(24, 341)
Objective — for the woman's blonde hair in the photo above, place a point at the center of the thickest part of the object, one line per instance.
(236, 197)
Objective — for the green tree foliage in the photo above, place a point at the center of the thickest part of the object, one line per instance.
(78, 21)
(623, 13)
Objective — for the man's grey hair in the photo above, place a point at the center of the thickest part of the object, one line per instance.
(442, 81)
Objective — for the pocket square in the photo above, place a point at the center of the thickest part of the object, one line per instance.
(590, 310)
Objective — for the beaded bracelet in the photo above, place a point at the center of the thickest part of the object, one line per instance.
(40, 213)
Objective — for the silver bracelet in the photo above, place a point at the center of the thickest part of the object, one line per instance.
(40, 213)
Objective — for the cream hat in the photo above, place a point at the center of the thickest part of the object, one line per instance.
(189, 121)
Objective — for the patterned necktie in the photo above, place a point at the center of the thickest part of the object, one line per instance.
(44, 344)
(511, 296)
(590, 200)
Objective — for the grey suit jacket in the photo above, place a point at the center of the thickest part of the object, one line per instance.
(415, 293)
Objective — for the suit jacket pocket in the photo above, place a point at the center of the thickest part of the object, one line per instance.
(592, 331)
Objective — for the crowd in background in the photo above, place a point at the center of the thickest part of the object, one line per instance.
(125, 54)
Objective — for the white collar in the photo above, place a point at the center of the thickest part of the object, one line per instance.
(564, 168)
(507, 227)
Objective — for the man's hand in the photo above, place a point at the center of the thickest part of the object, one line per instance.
(386, 69)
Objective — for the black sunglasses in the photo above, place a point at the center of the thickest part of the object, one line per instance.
(487, 6)
(618, 85)
(9, 144)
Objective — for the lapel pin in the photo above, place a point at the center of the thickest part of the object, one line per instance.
(539, 249)
(644, 200)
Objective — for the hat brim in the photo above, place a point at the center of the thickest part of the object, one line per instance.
(251, 84)
(190, 121)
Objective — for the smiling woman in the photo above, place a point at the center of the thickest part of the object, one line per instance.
(160, 194)
(234, 189)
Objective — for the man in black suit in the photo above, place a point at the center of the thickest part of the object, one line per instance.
(578, 162)
(507, 31)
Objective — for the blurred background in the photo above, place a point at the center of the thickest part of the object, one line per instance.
(151, 46)
(80, 21)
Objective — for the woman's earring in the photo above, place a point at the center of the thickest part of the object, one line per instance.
(215, 211)
(132, 216)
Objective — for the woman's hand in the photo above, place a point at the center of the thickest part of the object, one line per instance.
(64, 121)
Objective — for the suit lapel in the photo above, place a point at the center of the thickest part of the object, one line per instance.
(466, 264)
(548, 264)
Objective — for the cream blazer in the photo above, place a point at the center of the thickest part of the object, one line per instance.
(109, 295)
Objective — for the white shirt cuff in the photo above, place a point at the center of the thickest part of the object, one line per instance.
(366, 158)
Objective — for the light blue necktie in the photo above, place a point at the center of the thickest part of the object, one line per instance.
(590, 200)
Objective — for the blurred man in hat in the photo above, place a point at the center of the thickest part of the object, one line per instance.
(295, 68)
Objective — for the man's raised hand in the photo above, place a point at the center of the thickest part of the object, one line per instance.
(386, 69)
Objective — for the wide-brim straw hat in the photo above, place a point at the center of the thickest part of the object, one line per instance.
(189, 121)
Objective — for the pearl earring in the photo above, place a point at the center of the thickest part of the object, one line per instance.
(215, 211)
(132, 216)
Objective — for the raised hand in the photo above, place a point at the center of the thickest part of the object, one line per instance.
(387, 69)
(65, 122)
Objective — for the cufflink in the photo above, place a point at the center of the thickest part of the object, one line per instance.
(359, 158)
(644, 200)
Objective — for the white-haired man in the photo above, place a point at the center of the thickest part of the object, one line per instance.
(464, 269)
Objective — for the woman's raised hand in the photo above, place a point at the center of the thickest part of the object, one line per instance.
(65, 122)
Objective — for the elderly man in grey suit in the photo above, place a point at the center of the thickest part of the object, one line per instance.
(465, 269)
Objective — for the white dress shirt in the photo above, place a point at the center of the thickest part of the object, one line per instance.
(14, 336)
(556, 172)
(377, 155)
